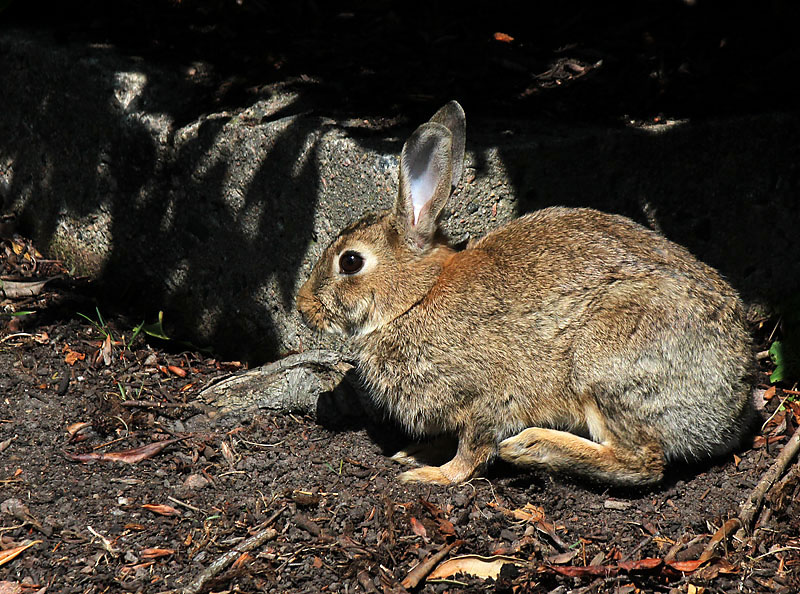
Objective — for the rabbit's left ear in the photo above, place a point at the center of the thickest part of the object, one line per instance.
(430, 167)
(452, 117)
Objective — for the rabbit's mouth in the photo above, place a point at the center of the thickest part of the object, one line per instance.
(320, 318)
(313, 313)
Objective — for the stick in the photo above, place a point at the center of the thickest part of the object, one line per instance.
(416, 575)
(749, 509)
(259, 538)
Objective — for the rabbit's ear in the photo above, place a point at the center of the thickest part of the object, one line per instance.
(452, 117)
(426, 172)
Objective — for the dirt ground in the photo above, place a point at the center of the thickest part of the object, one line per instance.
(167, 493)
(116, 479)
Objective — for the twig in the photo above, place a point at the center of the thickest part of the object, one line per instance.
(639, 547)
(720, 536)
(675, 549)
(789, 477)
(106, 543)
(150, 404)
(416, 575)
(750, 507)
(184, 504)
(259, 538)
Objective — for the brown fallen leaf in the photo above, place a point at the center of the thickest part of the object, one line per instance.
(562, 558)
(640, 565)
(72, 356)
(177, 370)
(418, 529)
(161, 509)
(131, 456)
(12, 553)
(445, 526)
(529, 513)
(535, 515)
(243, 560)
(503, 37)
(16, 289)
(607, 570)
(475, 565)
(74, 428)
(156, 553)
(106, 351)
(685, 566)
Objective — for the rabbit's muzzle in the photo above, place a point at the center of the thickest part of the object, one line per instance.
(312, 311)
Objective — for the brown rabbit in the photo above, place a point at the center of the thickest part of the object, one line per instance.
(569, 339)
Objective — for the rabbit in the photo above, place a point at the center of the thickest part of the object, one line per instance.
(569, 340)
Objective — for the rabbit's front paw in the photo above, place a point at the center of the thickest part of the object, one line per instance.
(462, 467)
(425, 474)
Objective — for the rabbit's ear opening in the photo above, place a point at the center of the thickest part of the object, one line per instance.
(452, 117)
(426, 172)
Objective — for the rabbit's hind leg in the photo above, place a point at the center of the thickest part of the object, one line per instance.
(610, 462)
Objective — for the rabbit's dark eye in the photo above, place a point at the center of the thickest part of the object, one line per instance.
(351, 262)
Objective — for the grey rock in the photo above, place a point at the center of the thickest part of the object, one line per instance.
(127, 171)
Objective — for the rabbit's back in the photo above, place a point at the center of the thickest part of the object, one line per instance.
(566, 314)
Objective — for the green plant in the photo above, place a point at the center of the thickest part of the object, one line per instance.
(16, 314)
(785, 353)
(156, 329)
(99, 324)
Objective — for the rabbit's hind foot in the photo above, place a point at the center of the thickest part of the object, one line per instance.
(635, 465)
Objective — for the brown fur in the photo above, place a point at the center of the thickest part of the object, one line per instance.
(569, 339)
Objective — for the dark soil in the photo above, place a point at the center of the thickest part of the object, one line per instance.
(341, 521)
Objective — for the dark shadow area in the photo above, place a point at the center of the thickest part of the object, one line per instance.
(378, 69)
(357, 58)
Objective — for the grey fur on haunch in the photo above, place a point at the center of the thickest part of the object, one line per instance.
(569, 339)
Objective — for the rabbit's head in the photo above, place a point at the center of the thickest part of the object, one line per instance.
(382, 265)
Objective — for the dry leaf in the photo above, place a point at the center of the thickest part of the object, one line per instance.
(243, 560)
(73, 356)
(418, 529)
(16, 289)
(155, 553)
(529, 513)
(128, 456)
(9, 554)
(106, 350)
(161, 509)
(74, 428)
(482, 567)
(446, 527)
(177, 370)
(562, 558)
(504, 37)
(685, 566)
